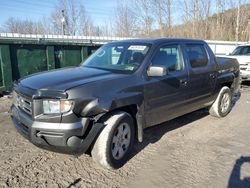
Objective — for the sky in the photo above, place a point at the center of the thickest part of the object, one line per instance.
(34, 10)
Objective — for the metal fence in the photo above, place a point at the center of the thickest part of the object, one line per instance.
(59, 38)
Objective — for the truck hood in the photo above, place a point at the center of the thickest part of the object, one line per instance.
(64, 79)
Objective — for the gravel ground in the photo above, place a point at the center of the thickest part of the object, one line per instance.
(195, 150)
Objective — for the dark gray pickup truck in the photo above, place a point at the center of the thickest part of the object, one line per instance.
(103, 105)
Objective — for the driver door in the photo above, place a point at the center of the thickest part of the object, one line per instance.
(165, 97)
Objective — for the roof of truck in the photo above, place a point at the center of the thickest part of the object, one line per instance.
(161, 40)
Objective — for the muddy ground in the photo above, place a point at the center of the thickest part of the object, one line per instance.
(195, 150)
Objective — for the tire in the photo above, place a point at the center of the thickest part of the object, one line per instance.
(222, 105)
(112, 147)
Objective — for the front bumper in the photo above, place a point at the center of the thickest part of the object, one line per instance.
(71, 138)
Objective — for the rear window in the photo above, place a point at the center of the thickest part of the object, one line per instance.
(197, 55)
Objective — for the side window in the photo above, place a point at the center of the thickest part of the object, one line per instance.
(170, 57)
(197, 55)
(246, 50)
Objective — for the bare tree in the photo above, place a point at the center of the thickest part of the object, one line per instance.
(237, 21)
(85, 23)
(108, 28)
(227, 21)
(125, 22)
(241, 19)
(144, 15)
(195, 18)
(162, 11)
(206, 6)
(14, 25)
(248, 30)
(76, 19)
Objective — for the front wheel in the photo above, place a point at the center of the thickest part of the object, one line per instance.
(222, 105)
(112, 147)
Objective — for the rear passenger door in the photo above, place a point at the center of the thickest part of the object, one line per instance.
(202, 74)
(166, 95)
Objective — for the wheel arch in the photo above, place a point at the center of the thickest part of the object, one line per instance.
(133, 111)
(226, 79)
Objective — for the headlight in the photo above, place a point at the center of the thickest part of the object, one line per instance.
(57, 106)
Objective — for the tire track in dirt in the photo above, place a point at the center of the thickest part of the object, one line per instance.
(24, 165)
(180, 144)
(201, 153)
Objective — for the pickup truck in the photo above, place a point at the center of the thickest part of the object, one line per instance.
(242, 54)
(105, 104)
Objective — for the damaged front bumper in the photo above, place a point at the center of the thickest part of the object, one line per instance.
(70, 138)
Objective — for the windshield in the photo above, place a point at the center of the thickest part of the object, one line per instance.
(122, 57)
(242, 50)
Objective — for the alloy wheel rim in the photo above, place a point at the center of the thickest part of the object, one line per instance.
(225, 102)
(121, 141)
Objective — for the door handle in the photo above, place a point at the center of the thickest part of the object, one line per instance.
(183, 82)
(212, 76)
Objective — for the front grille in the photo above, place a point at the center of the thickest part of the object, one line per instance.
(24, 103)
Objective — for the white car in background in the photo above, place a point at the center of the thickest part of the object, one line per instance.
(242, 54)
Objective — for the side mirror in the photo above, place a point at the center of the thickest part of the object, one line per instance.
(228, 53)
(157, 71)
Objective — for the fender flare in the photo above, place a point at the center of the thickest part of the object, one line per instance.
(98, 108)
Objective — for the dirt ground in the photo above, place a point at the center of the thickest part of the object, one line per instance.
(195, 150)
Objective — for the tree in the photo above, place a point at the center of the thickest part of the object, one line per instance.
(108, 28)
(14, 25)
(144, 16)
(76, 22)
(125, 23)
(162, 11)
(75, 18)
(195, 17)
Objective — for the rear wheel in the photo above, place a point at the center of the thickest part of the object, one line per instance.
(222, 105)
(113, 145)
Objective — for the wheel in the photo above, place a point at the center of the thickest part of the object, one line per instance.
(112, 147)
(222, 105)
